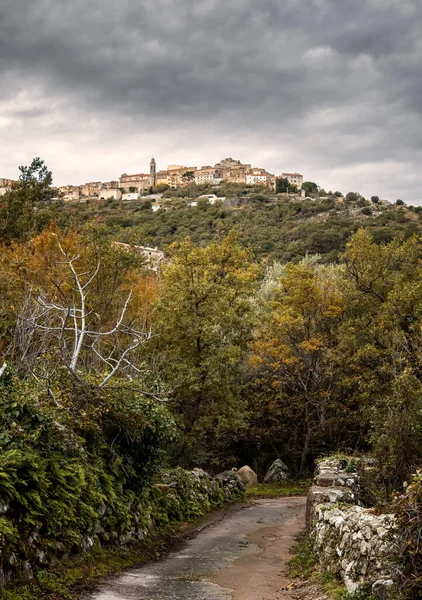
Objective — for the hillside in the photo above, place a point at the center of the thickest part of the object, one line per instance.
(275, 228)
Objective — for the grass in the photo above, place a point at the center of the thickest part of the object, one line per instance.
(287, 488)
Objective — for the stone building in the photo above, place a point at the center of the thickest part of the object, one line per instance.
(180, 176)
(261, 177)
(153, 171)
(232, 171)
(139, 182)
(5, 185)
(91, 190)
(205, 175)
(69, 193)
(162, 177)
(110, 185)
(293, 179)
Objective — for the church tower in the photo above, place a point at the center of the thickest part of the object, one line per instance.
(153, 171)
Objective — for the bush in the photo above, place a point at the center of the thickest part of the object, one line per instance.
(409, 515)
(59, 467)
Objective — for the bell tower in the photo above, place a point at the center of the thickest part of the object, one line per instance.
(153, 171)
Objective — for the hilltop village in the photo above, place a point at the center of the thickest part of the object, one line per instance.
(132, 187)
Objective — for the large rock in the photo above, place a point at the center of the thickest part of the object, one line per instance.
(248, 477)
(277, 473)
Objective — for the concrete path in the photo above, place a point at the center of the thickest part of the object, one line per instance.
(241, 557)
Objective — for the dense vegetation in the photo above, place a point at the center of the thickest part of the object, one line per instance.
(282, 229)
(276, 327)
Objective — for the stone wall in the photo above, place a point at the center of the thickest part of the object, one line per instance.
(351, 542)
(176, 496)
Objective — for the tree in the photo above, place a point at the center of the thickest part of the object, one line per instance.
(282, 185)
(204, 322)
(352, 197)
(399, 202)
(297, 403)
(161, 187)
(36, 181)
(375, 199)
(17, 210)
(380, 347)
(84, 305)
(310, 187)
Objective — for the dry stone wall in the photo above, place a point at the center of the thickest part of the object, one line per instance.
(351, 541)
(178, 496)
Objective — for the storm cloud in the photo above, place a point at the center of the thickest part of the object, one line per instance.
(331, 88)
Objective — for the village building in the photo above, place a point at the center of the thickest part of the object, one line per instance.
(293, 179)
(140, 182)
(110, 185)
(162, 177)
(232, 171)
(205, 175)
(111, 193)
(130, 197)
(69, 193)
(257, 177)
(6, 185)
(90, 190)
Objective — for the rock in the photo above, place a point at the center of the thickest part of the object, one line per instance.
(12, 560)
(383, 589)
(87, 543)
(277, 473)
(41, 557)
(230, 484)
(248, 477)
(27, 573)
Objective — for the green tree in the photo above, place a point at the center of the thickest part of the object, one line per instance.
(310, 187)
(282, 185)
(297, 404)
(380, 347)
(353, 197)
(204, 319)
(17, 208)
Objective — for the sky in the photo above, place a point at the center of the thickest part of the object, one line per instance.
(329, 88)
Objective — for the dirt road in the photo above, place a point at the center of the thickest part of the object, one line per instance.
(241, 557)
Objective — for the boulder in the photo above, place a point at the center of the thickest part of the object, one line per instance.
(248, 477)
(277, 473)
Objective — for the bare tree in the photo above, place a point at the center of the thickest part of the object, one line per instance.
(67, 327)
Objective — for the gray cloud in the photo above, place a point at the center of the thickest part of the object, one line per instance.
(330, 87)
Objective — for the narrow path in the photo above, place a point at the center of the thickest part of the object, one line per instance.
(242, 557)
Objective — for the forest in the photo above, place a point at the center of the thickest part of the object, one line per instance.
(267, 333)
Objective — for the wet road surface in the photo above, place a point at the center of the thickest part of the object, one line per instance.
(242, 557)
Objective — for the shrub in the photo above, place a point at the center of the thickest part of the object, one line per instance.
(58, 467)
(409, 514)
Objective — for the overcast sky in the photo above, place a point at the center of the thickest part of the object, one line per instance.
(330, 88)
